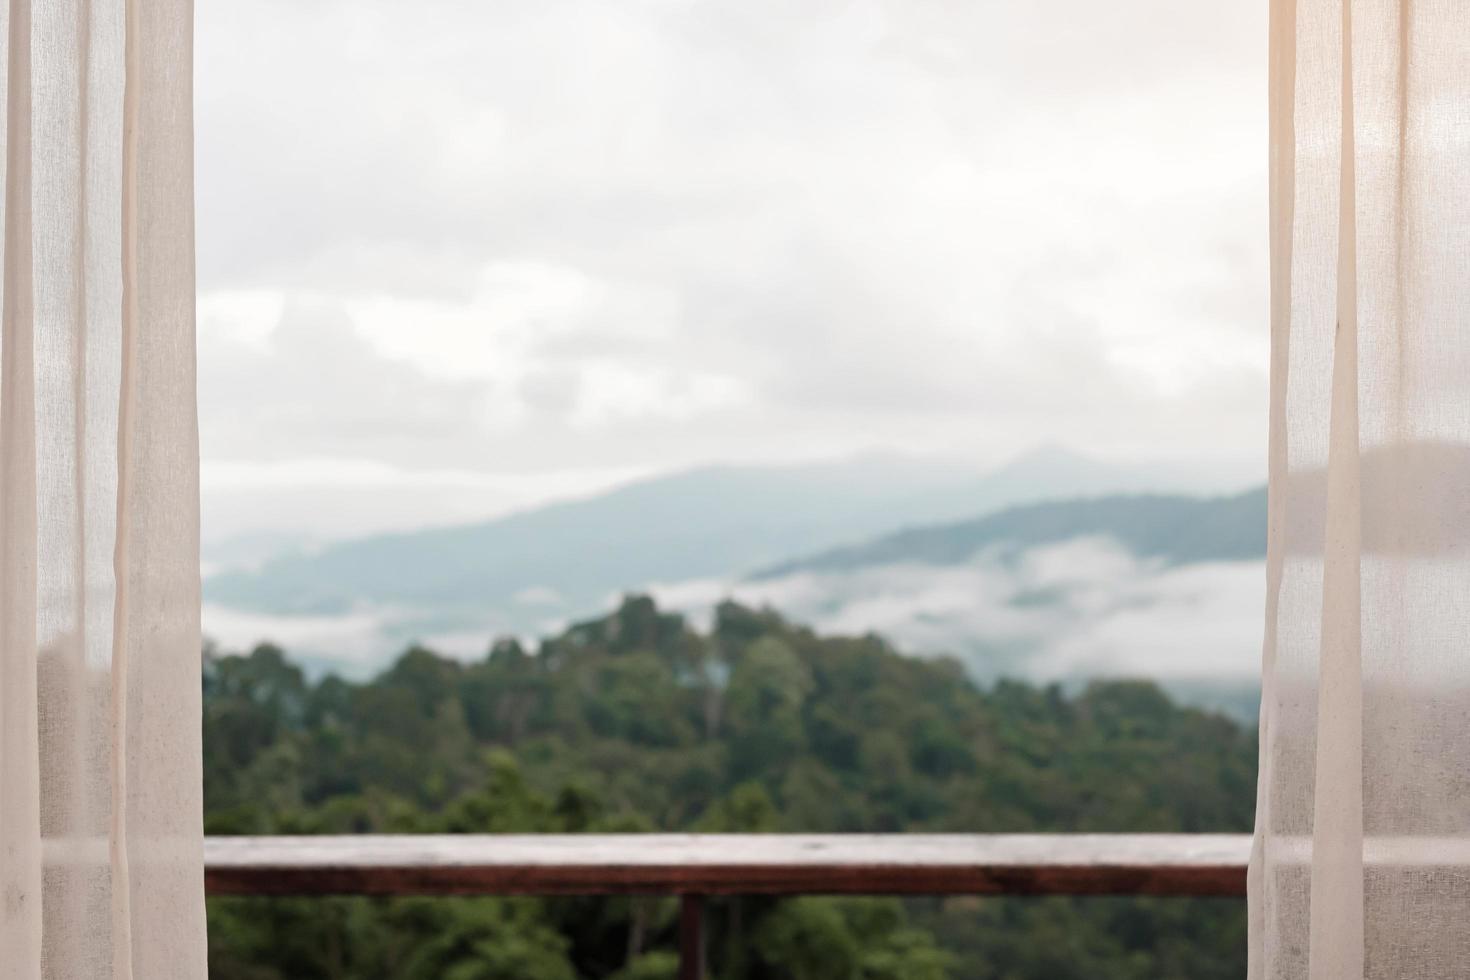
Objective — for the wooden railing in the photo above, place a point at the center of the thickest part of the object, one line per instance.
(693, 866)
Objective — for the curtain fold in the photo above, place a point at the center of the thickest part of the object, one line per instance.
(1361, 866)
(100, 765)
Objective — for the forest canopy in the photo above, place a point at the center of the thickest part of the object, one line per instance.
(639, 722)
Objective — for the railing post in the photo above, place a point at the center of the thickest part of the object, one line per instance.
(691, 937)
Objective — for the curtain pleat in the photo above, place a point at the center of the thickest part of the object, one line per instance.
(1361, 865)
(100, 772)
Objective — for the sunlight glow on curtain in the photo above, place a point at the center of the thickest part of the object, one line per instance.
(100, 775)
(1362, 859)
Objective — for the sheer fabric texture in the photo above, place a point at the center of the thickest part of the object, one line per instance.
(100, 774)
(1362, 861)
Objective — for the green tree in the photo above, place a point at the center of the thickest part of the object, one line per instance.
(635, 722)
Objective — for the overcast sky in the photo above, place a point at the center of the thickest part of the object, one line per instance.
(457, 255)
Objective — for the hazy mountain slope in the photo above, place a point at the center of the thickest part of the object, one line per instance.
(687, 524)
(1158, 586)
(1177, 530)
(571, 557)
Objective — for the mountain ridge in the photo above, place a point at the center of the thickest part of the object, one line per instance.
(571, 556)
(1176, 528)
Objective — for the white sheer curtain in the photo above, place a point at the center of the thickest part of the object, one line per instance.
(1362, 858)
(100, 776)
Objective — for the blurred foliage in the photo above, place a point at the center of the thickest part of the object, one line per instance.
(636, 722)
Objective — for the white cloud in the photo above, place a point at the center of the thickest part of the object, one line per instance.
(1082, 608)
(354, 641)
(307, 502)
(552, 237)
(539, 595)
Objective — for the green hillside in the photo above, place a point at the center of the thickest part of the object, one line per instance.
(637, 722)
(1177, 530)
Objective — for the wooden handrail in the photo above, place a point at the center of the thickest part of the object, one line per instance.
(725, 864)
(695, 865)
